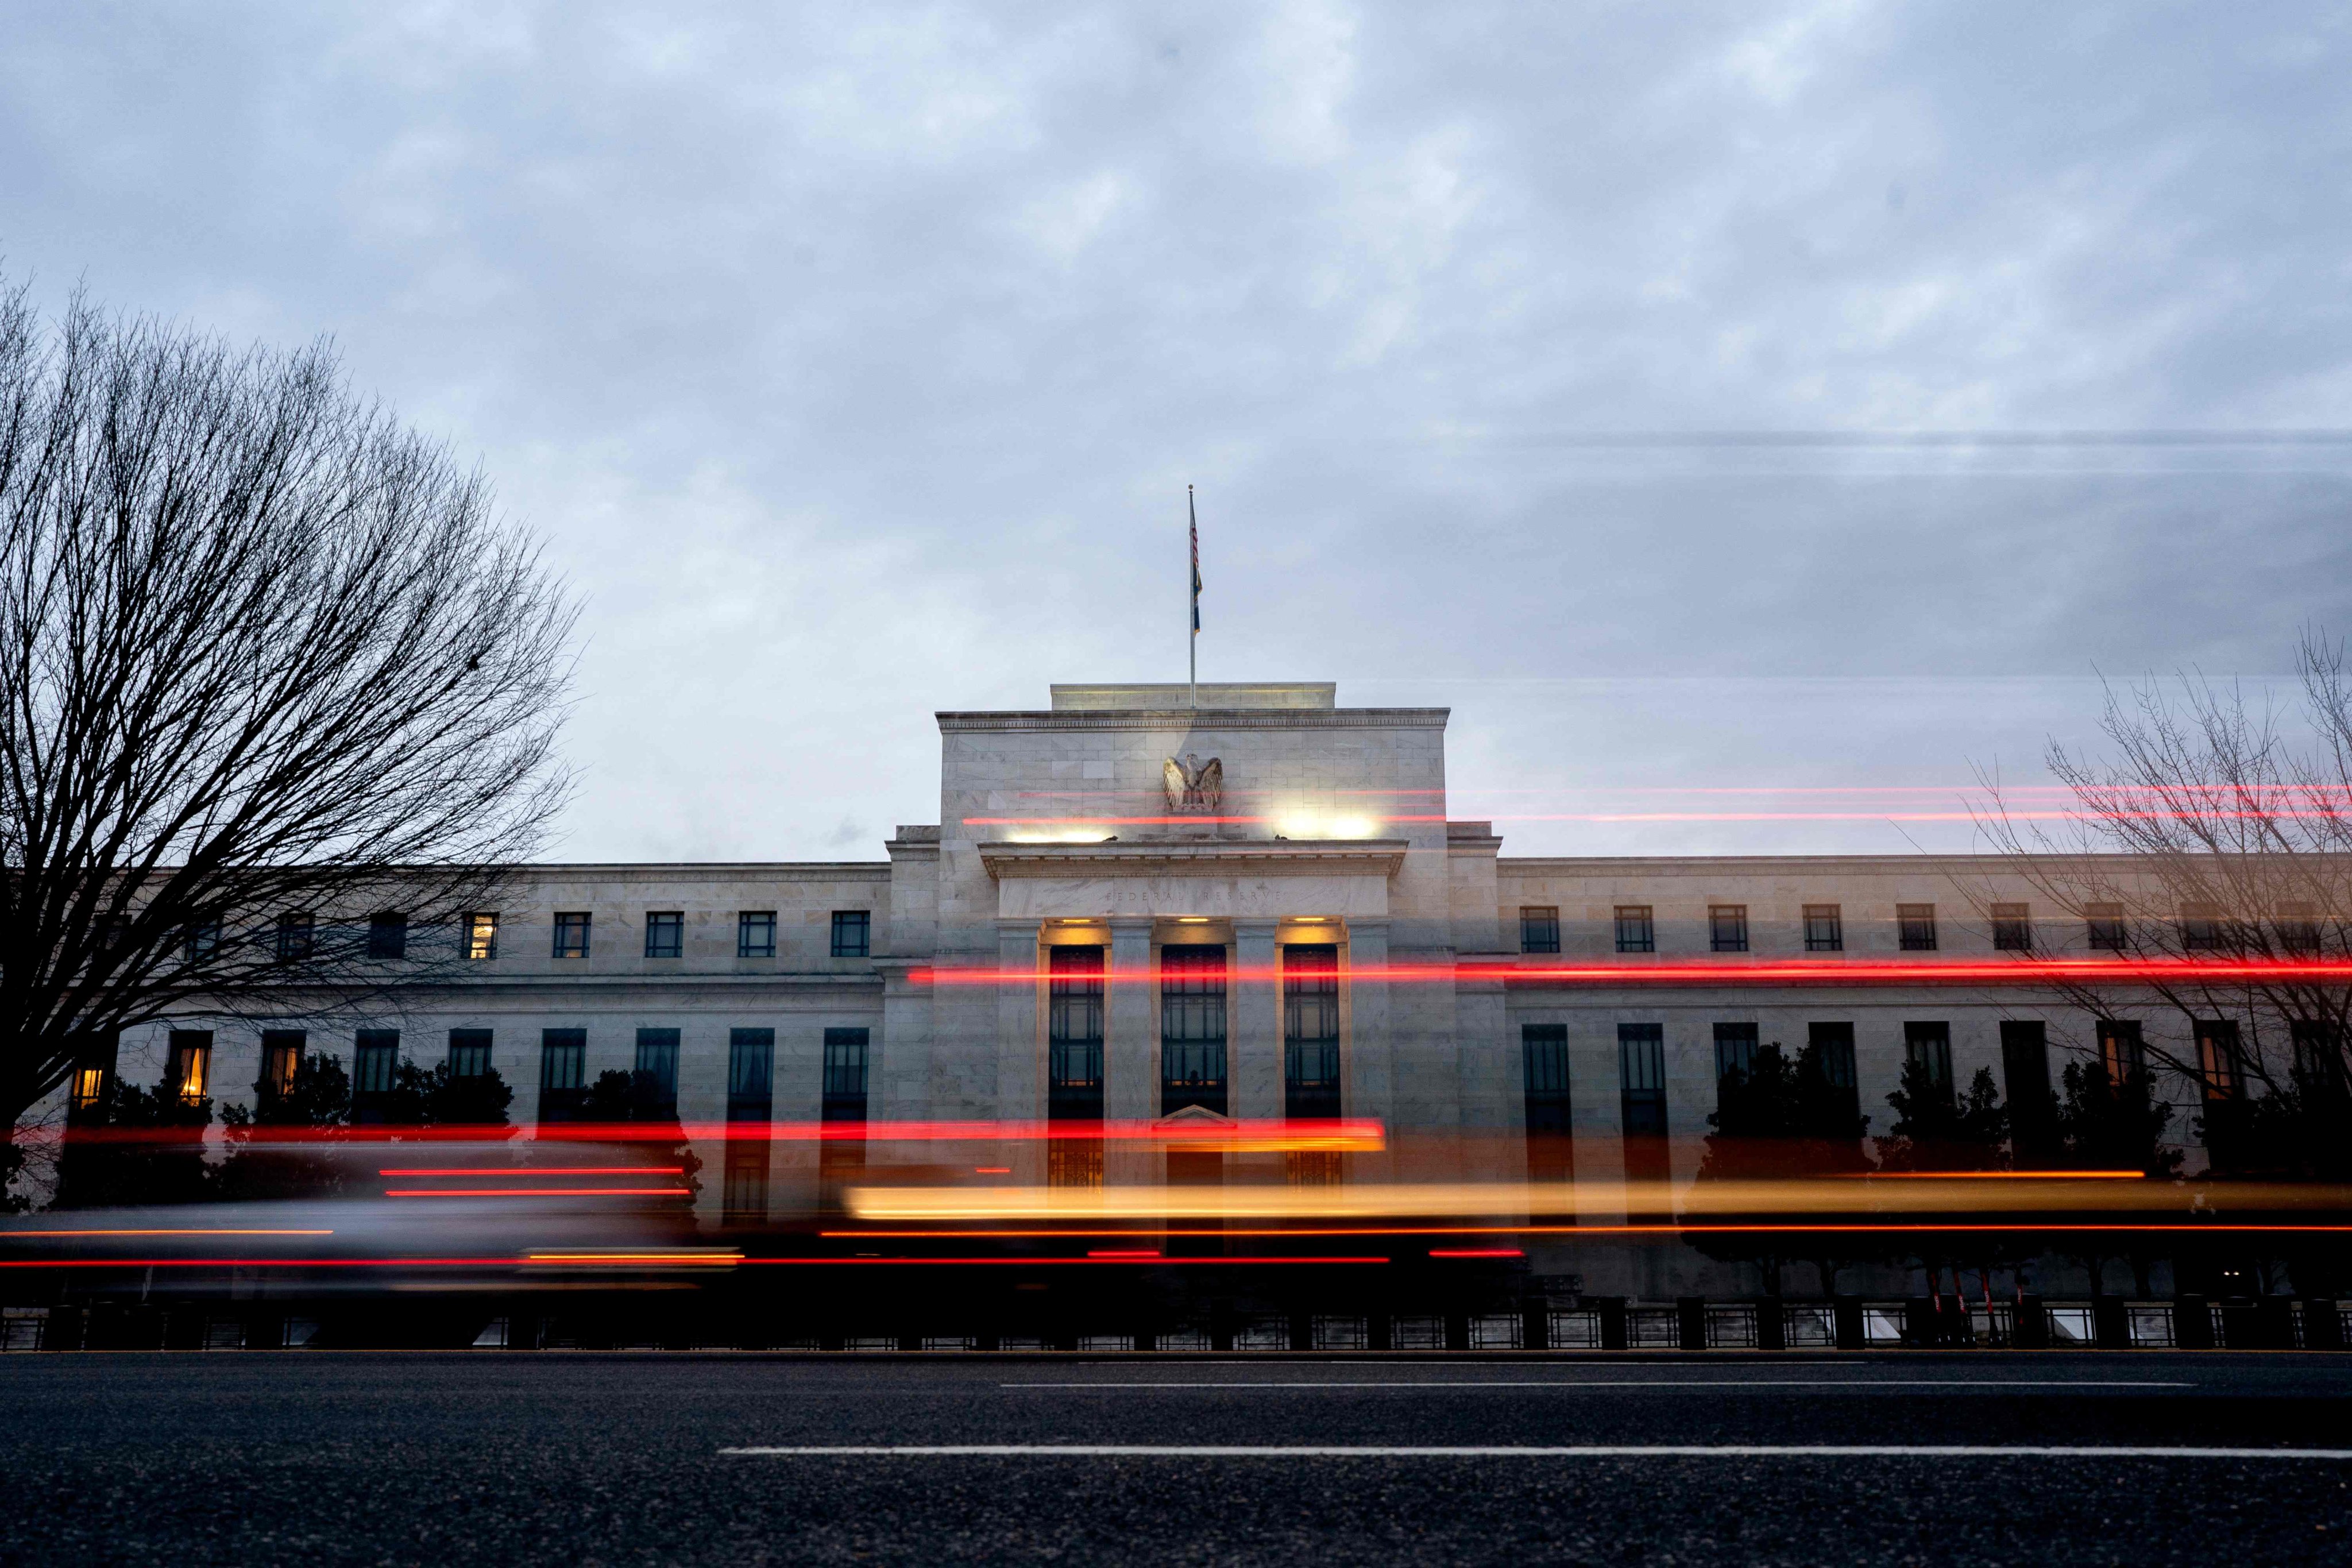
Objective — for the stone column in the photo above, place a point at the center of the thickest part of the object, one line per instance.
(1020, 1094)
(1131, 1052)
(1370, 1052)
(1253, 1025)
(1131, 1029)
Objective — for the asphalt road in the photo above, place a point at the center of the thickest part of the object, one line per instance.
(324, 1457)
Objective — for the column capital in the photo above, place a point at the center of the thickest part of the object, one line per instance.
(1255, 926)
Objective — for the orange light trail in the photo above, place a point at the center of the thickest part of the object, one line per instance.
(1477, 1252)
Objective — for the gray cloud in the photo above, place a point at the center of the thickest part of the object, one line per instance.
(854, 361)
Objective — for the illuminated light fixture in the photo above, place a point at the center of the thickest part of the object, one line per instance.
(992, 1169)
(1191, 920)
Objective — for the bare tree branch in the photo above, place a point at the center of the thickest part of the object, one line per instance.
(266, 656)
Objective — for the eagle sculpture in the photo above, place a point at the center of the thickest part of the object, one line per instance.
(1194, 786)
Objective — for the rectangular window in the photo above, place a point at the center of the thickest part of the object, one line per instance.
(2013, 928)
(203, 940)
(2103, 925)
(2318, 1046)
(750, 1076)
(1727, 928)
(2201, 928)
(655, 1074)
(571, 934)
(1310, 1030)
(1915, 927)
(297, 936)
(755, 933)
(665, 933)
(1636, 931)
(853, 933)
(1074, 1033)
(282, 1058)
(1543, 1050)
(188, 1070)
(844, 1075)
(387, 935)
(1192, 1028)
(1832, 1047)
(376, 1066)
(2218, 1059)
(1539, 928)
(1641, 1078)
(562, 1073)
(470, 1053)
(1824, 929)
(480, 936)
(1735, 1051)
(2122, 1054)
(2298, 928)
(2025, 1071)
(1930, 1046)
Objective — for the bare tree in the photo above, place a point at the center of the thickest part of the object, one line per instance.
(278, 691)
(2213, 848)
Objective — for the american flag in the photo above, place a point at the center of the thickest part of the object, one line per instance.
(1195, 517)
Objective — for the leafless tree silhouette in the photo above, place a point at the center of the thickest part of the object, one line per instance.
(2215, 831)
(279, 690)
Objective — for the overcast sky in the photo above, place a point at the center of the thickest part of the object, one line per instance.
(1592, 370)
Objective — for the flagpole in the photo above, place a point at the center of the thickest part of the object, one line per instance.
(1192, 638)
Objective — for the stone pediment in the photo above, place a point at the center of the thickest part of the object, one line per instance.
(1197, 858)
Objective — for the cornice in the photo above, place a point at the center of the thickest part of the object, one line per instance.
(1263, 857)
(1194, 718)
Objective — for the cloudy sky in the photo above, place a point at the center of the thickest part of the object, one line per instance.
(1732, 411)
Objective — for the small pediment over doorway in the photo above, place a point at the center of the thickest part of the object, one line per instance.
(1194, 1118)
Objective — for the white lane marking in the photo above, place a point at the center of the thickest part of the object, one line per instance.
(1578, 1452)
(1665, 1382)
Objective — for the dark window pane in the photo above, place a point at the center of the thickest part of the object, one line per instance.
(755, 933)
(655, 1077)
(665, 933)
(1543, 1051)
(1831, 1043)
(750, 1076)
(296, 937)
(1642, 1077)
(2201, 929)
(2025, 1071)
(1824, 929)
(1192, 1028)
(1074, 1033)
(1915, 927)
(2104, 926)
(853, 933)
(470, 1053)
(375, 1062)
(1310, 1030)
(1636, 931)
(562, 1073)
(844, 1075)
(1538, 929)
(1735, 1051)
(1727, 928)
(1930, 1046)
(387, 936)
(2013, 928)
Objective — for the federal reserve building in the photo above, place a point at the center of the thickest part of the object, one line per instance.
(1209, 974)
